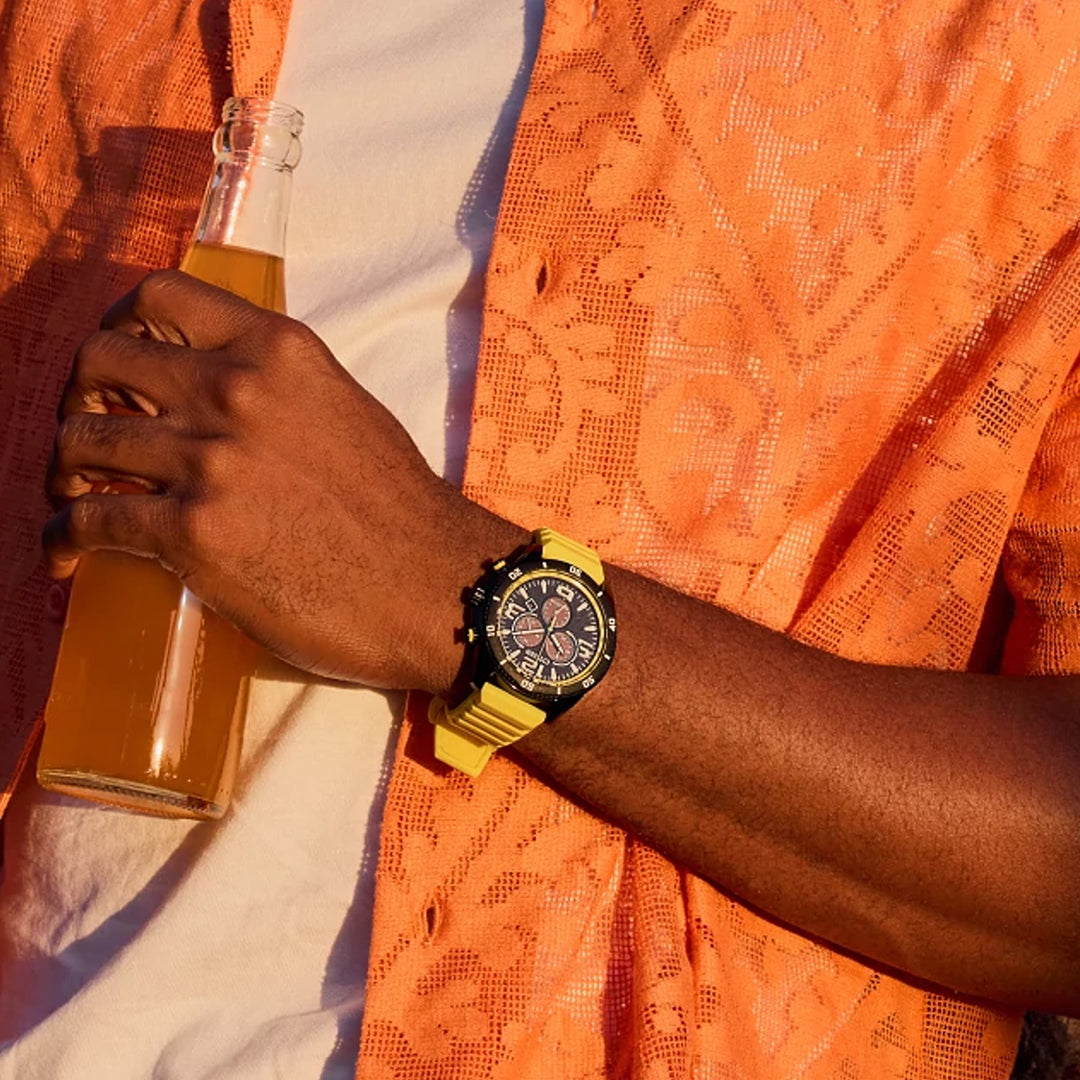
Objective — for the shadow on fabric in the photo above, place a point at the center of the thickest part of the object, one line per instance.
(93, 255)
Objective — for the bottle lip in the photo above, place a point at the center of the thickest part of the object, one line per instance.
(265, 110)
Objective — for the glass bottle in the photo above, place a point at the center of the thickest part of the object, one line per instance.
(148, 698)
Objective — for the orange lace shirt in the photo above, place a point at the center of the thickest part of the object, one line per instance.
(782, 310)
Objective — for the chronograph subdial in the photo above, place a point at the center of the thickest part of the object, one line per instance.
(556, 612)
(560, 647)
(528, 632)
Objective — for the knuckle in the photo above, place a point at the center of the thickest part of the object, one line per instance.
(125, 529)
(85, 518)
(192, 530)
(237, 387)
(146, 292)
(287, 338)
(152, 292)
(156, 284)
(70, 434)
(293, 334)
(214, 458)
(85, 431)
(63, 441)
(90, 352)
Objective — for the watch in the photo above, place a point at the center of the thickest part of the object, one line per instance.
(540, 634)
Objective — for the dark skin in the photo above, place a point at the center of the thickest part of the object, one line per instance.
(928, 821)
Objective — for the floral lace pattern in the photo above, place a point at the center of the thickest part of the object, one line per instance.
(781, 310)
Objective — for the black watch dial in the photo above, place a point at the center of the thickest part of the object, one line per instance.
(549, 631)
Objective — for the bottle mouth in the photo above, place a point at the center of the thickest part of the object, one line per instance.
(264, 111)
(259, 130)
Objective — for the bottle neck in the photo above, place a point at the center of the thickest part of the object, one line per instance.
(247, 200)
(246, 205)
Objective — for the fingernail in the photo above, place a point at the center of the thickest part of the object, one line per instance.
(56, 599)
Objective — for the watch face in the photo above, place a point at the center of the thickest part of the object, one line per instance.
(549, 630)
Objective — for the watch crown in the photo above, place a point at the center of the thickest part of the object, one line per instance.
(470, 635)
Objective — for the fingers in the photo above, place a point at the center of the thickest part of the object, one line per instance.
(92, 446)
(114, 372)
(172, 306)
(132, 523)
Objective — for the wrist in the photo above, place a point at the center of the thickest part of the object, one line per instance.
(475, 545)
(539, 634)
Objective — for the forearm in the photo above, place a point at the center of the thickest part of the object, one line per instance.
(926, 820)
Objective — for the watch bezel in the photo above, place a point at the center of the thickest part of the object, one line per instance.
(489, 594)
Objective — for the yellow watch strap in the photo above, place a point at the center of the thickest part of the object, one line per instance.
(554, 545)
(488, 718)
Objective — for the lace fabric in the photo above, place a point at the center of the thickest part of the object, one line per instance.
(781, 311)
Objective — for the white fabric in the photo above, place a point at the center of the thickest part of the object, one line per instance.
(132, 947)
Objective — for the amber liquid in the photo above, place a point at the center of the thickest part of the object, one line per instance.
(148, 698)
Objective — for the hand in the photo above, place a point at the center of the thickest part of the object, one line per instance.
(270, 482)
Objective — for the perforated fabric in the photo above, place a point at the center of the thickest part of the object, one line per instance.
(104, 154)
(781, 307)
(782, 302)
